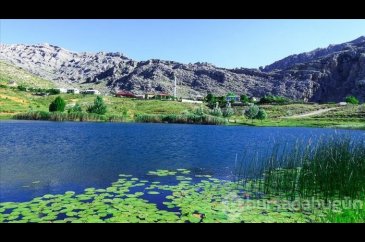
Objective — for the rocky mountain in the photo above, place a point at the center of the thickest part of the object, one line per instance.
(321, 75)
(291, 60)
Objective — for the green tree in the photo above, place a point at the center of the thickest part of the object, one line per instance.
(252, 112)
(58, 105)
(261, 115)
(352, 100)
(209, 98)
(245, 99)
(99, 106)
(75, 109)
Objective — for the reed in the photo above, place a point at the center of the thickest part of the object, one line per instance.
(73, 116)
(331, 168)
(182, 118)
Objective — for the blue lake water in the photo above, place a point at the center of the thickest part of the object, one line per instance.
(37, 158)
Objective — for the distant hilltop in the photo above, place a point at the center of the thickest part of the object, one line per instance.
(321, 75)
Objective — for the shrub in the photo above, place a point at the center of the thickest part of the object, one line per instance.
(252, 112)
(228, 112)
(216, 111)
(75, 109)
(58, 105)
(245, 99)
(22, 88)
(352, 100)
(267, 99)
(261, 115)
(53, 91)
(99, 107)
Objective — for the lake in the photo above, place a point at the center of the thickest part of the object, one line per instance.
(38, 158)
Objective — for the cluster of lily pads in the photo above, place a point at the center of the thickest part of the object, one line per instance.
(194, 198)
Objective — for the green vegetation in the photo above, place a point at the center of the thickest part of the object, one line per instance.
(75, 109)
(252, 112)
(206, 200)
(58, 105)
(270, 99)
(352, 100)
(99, 106)
(245, 99)
(330, 171)
(261, 115)
(183, 118)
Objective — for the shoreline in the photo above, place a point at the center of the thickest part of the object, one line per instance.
(268, 123)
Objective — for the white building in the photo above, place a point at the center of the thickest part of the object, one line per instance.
(73, 90)
(190, 101)
(92, 91)
(342, 103)
(62, 90)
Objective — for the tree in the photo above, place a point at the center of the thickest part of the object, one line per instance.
(252, 112)
(245, 99)
(53, 91)
(352, 100)
(99, 107)
(210, 98)
(58, 105)
(261, 115)
(75, 109)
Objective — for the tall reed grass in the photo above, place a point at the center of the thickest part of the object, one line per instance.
(182, 118)
(73, 116)
(330, 168)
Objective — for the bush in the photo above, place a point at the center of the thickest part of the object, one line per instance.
(267, 99)
(261, 115)
(58, 105)
(228, 112)
(217, 111)
(22, 88)
(361, 108)
(99, 107)
(75, 109)
(352, 100)
(199, 111)
(245, 99)
(53, 91)
(252, 112)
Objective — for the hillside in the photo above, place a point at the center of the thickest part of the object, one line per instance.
(22, 77)
(323, 75)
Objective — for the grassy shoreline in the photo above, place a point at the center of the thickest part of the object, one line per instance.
(310, 123)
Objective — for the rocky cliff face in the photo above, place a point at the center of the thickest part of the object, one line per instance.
(321, 75)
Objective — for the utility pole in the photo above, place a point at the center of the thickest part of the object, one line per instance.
(175, 96)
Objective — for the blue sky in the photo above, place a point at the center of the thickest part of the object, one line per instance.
(225, 43)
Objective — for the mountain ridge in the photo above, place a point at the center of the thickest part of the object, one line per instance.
(325, 74)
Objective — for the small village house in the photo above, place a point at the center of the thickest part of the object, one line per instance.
(12, 83)
(73, 90)
(91, 91)
(125, 94)
(232, 98)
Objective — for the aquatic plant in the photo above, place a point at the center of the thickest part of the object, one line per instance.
(332, 168)
(198, 200)
(183, 118)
